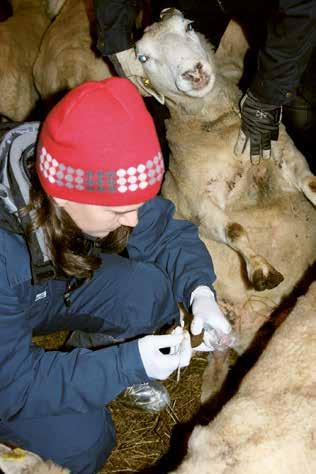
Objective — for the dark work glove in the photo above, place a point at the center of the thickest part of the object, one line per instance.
(259, 124)
(115, 23)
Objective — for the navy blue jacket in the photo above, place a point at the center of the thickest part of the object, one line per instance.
(35, 382)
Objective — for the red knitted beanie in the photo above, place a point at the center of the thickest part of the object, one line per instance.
(99, 145)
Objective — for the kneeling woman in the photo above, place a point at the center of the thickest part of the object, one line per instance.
(66, 216)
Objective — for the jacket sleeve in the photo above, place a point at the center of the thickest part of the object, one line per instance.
(291, 38)
(115, 21)
(173, 245)
(35, 382)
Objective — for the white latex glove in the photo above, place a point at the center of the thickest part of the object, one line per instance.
(207, 315)
(158, 365)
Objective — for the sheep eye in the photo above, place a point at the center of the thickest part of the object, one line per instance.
(189, 27)
(142, 58)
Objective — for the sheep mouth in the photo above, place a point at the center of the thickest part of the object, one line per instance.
(197, 88)
(202, 82)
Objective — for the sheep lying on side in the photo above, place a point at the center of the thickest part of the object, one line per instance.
(207, 182)
(20, 37)
(269, 426)
(19, 461)
(264, 215)
(66, 58)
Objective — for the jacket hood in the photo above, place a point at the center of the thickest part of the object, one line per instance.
(16, 148)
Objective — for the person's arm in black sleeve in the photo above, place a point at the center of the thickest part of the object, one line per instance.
(115, 22)
(291, 37)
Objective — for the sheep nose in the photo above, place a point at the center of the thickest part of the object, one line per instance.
(194, 74)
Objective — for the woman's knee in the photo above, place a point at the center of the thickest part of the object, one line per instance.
(93, 456)
(79, 442)
(127, 298)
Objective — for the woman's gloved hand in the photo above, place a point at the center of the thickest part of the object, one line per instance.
(259, 125)
(159, 365)
(208, 316)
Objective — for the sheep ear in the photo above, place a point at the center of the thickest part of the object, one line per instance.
(133, 70)
(146, 89)
(231, 52)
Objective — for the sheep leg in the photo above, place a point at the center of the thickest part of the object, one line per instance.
(217, 226)
(305, 183)
(262, 275)
(296, 170)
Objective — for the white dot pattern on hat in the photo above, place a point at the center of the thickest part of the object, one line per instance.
(145, 174)
(122, 180)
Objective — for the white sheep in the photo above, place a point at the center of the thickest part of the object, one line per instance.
(66, 58)
(260, 213)
(269, 426)
(20, 37)
(20, 461)
(204, 119)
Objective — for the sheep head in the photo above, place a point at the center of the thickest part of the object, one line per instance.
(174, 61)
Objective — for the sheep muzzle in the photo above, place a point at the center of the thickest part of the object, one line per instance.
(197, 76)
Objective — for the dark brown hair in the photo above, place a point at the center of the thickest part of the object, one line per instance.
(68, 247)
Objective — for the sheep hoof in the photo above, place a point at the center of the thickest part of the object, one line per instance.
(263, 282)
